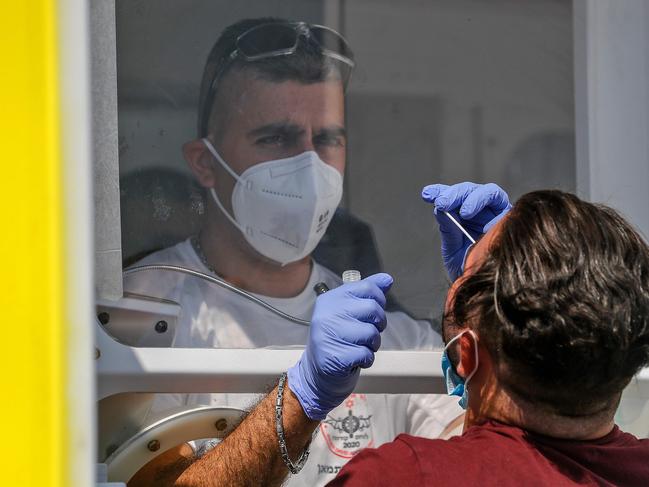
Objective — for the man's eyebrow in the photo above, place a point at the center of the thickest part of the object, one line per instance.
(275, 128)
(333, 131)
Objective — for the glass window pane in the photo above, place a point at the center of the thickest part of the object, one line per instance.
(440, 92)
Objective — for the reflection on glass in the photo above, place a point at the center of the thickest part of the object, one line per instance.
(270, 157)
(438, 93)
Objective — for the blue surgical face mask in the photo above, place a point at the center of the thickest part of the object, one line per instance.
(456, 385)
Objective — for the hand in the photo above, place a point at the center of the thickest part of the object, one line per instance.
(477, 207)
(345, 332)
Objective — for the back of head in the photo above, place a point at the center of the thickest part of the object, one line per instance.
(562, 303)
(308, 64)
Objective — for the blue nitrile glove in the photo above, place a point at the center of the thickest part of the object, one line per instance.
(477, 207)
(344, 334)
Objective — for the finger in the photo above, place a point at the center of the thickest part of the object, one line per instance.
(493, 221)
(365, 290)
(360, 333)
(383, 280)
(376, 343)
(432, 191)
(490, 196)
(371, 287)
(429, 194)
(368, 311)
(445, 223)
(453, 197)
(451, 234)
(361, 356)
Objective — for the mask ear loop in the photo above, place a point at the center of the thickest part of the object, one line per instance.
(211, 148)
(216, 155)
(475, 350)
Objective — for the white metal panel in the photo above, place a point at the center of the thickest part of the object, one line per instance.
(108, 235)
(74, 89)
(126, 369)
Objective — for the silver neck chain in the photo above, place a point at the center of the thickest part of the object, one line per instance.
(196, 245)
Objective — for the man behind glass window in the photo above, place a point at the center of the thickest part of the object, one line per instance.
(270, 153)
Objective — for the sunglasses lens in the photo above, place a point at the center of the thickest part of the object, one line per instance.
(267, 39)
(331, 41)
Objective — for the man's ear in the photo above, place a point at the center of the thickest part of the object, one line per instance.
(201, 162)
(467, 355)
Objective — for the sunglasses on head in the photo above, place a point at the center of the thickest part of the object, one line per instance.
(281, 39)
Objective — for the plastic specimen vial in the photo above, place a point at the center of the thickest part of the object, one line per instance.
(351, 275)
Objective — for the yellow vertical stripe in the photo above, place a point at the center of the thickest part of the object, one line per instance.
(32, 285)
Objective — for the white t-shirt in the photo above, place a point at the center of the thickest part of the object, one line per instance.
(214, 317)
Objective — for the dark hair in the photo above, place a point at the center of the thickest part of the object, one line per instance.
(562, 303)
(307, 65)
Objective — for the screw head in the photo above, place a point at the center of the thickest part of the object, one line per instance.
(161, 326)
(97, 353)
(103, 318)
(221, 424)
(153, 445)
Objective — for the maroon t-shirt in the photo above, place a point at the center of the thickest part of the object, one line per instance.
(500, 455)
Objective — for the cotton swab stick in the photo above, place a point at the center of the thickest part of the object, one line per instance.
(457, 224)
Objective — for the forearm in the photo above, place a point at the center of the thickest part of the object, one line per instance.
(165, 468)
(250, 454)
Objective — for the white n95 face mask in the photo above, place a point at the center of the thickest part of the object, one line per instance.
(284, 206)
